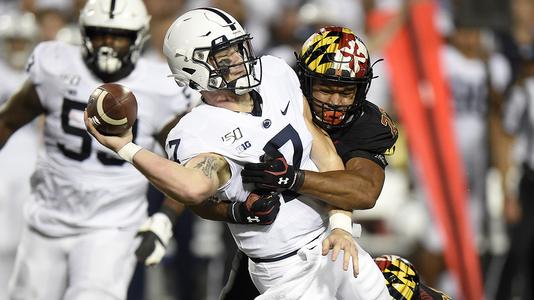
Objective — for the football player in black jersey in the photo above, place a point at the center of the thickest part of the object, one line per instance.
(335, 73)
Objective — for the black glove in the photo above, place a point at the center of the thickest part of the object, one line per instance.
(257, 209)
(273, 174)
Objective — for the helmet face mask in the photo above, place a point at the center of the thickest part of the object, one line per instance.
(113, 34)
(325, 109)
(232, 65)
(111, 48)
(208, 50)
(335, 56)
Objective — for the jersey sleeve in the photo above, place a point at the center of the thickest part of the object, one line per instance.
(181, 146)
(42, 67)
(184, 143)
(372, 136)
(189, 138)
(44, 58)
(34, 66)
(36, 69)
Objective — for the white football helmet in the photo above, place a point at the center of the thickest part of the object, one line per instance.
(124, 18)
(18, 35)
(192, 43)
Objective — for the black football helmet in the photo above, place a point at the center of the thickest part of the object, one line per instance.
(336, 55)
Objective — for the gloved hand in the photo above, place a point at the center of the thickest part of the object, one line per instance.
(156, 233)
(257, 209)
(273, 173)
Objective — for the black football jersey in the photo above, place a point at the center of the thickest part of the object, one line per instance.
(371, 136)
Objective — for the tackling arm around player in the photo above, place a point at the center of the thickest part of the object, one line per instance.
(335, 80)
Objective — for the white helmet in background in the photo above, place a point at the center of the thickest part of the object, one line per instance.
(18, 35)
(116, 18)
(191, 45)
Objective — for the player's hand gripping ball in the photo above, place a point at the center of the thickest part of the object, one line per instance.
(112, 108)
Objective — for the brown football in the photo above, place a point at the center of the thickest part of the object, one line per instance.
(112, 108)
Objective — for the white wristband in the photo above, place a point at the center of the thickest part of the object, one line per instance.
(128, 151)
(340, 221)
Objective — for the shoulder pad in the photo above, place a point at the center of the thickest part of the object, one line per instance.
(374, 131)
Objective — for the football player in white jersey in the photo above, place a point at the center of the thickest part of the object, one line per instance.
(254, 107)
(88, 203)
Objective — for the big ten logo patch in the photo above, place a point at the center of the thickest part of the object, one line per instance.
(243, 147)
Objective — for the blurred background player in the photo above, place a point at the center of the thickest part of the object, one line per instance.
(18, 35)
(87, 204)
(517, 280)
(476, 76)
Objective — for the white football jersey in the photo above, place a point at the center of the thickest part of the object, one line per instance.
(79, 184)
(243, 137)
(518, 119)
(468, 81)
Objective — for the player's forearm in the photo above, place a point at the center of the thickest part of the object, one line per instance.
(172, 208)
(210, 210)
(21, 108)
(5, 133)
(348, 190)
(186, 185)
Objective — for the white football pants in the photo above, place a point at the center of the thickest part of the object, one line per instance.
(95, 265)
(310, 275)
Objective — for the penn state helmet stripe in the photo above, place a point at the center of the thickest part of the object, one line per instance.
(225, 18)
(112, 9)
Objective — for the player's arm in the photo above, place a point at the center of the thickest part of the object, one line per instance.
(20, 109)
(189, 184)
(324, 155)
(356, 187)
(260, 208)
(211, 210)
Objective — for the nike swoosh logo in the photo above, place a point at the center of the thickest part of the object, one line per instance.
(284, 112)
